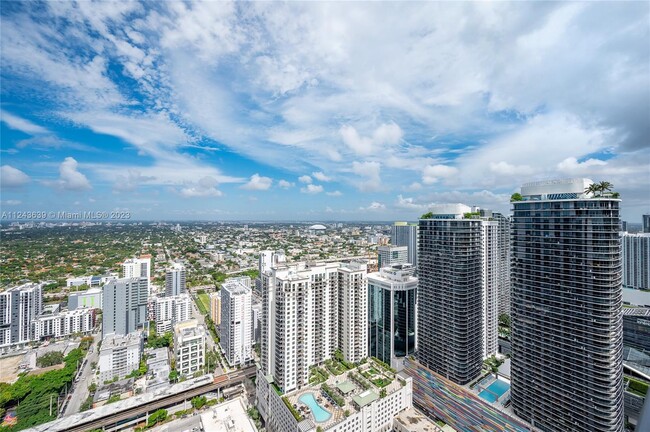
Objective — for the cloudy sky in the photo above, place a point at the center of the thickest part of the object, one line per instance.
(318, 111)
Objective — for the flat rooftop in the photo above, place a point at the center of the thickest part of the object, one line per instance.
(365, 398)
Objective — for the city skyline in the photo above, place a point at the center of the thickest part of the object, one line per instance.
(322, 111)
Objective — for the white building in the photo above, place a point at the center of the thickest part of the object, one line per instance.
(138, 267)
(91, 281)
(124, 305)
(309, 311)
(64, 324)
(171, 310)
(636, 260)
(390, 255)
(175, 280)
(236, 323)
(119, 355)
(91, 298)
(19, 306)
(215, 308)
(406, 234)
(244, 280)
(189, 347)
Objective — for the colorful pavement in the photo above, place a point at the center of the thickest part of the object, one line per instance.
(455, 405)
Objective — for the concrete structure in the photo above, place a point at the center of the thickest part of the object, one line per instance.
(171, 310)
(244, 280)
(124, 303)
(189, 347)
(62, 324)
(566, 308)
(458, 291)
(646, 223)
(256, 314)
(19, 306)
(91, 298)
(636, 260)
(389, 255)
(90, 281)
(503, 258)
(236, 323)
(392, 295)
(215, 308)
(119, 355)
(309, 310)
(367, 410)
(138, 267)
(636, 328)
(175, 280)
(406, 234)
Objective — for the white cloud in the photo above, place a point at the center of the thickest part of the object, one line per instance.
(69, 177)
(284, 184)
(504, 168)
(304, 179)
(131, 181)
(258, 182)
(334, 193)
(415, 186)
(384, 135)
(374, 207)
(408, 203)
(571, 166)
(12, 177)
(370, 172)
(206, 187)
(11, 202)
(21, 124)
(320, 176)
(433, 173)
(312, 189)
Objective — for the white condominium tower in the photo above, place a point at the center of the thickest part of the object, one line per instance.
(636, 260)
(567, 327)
(137, 267)
(171, 310)
(406, 234)
(19, 306)
(310, 310)
(458, 291)
(175, 280)
(390, 255)
(236, 323)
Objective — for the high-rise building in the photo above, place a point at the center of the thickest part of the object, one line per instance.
(646, 223)
(215, 308)
(19, 306)
(171, 310)
(137, 267)
(406, 234)
(124, 303)
(305, 309)
(389, 255)
(636, 260)
(503, 257)
(392, 295)
(566, 308)
(189, 347)
(175, 280)
(458, 291)
(236, 323)
(636, 328)
(119, 355)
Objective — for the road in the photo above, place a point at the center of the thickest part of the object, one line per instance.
(211, 344)
(79, 391)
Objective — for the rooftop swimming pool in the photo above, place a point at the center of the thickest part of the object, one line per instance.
(495, 391)
(320, 414)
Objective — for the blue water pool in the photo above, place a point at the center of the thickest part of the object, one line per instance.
(495, 390)
(320, 413)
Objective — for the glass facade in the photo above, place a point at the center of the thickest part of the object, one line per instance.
(392, 322)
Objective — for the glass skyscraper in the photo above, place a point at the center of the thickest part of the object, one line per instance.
(566, 300)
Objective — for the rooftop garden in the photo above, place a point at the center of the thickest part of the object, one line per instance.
(602, 189)
(635, 386)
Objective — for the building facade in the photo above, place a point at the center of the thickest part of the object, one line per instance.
(392, 321)
(138, 268)
(389, 255)
(406, 234)
(124, 303)
(119, 355)
(189, 347)
(305, 309)
(636, 260)
(567, 330)
(646, 223)
(636, 328)
(458, 291)
(236, 323)
(63, 324)
(171, 310)
(215, 308)
(19, 307)
(91, 298)
(175, 280)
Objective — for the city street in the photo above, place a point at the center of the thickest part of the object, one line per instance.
(79, 392)
(211, 345)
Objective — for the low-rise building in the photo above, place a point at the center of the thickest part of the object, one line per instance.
(119, 355)
(189, 347)
(91, 298)
(66, 323)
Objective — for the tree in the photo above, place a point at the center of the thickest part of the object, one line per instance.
(173, 375)
(605, 186)
(50, 359)
(199, 402)
(427, 215)
(516, 197)
(156, 417)
(504, 320)
(593, 189)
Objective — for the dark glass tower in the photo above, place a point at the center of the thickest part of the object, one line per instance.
(567, 371)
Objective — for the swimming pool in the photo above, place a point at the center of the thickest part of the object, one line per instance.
(320, 413)
(495, 390)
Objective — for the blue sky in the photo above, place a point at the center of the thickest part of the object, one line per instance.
(318, 111)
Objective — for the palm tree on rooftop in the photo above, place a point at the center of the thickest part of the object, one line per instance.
(605, 186)
(593, 189)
